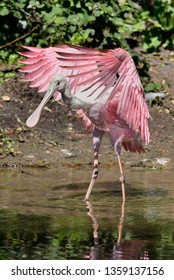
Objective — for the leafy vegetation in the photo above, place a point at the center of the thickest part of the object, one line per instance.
(159, 24)
(6, 145)
(103, 24)
(93, 23)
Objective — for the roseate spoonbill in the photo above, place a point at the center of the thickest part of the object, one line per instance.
(103, 86)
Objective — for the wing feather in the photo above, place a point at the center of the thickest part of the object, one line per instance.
(104, 71)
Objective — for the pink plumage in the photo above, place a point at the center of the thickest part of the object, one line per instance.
(108, 76)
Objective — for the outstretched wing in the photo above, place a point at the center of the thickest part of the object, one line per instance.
(64, 60)
(94, 72)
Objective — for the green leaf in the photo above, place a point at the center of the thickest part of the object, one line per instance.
(57, 10)
(155, 42)
(150, 87)
(17, 15)
(78, 5)
(60, 20)
(4, 11)
(158, 86)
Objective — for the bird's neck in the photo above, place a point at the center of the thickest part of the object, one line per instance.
(67, 95)
(71, 100)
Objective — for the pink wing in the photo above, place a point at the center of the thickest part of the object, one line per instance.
(86, 69)
(42, 64)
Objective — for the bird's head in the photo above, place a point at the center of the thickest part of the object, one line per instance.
(57, 84)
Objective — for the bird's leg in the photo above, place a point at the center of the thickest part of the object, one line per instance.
(120, 226)
(116, 141)
(97, 137)
(122, 180)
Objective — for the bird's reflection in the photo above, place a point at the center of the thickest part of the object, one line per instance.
(122, 250)
(95, 250)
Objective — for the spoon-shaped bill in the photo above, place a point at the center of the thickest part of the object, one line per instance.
(34, 118)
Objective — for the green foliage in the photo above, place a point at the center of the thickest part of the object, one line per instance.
(159, 25)
(6, 145)
(153, 87)
(5, 76)
(103, 24)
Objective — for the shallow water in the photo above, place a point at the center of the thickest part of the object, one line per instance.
(43, 215)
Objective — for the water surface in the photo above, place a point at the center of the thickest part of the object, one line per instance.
(43, 215)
